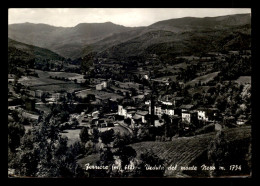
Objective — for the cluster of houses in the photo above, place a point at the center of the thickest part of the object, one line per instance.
(173, 107)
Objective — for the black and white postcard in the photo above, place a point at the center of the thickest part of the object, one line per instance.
(129, 93)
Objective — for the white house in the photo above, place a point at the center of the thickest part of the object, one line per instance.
(202, 115)
(101, 85)
(146, 76)
(188, 116)
(122, 111)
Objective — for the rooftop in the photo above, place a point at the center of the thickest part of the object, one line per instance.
(186, 106)
(142, 113)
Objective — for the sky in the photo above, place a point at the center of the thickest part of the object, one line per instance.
(131, 17)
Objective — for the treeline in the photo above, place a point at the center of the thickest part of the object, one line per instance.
(234, 67)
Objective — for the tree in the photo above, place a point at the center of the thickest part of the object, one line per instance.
(95, 135)
(74, 122)
(218, 151)
(126, 154)
(107, 137)
(143, 134)
(45, 153)
(149, 158)
(15, 132)
(83, 135)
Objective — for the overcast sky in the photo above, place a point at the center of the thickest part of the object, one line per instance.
(69, 17)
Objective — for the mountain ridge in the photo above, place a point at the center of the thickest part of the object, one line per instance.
(84, 38)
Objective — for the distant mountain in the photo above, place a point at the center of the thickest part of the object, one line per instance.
(66, 41)
(169, 37)
(192, 23)
(166, 43)
(183, 36)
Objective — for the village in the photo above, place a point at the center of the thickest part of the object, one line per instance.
(171, 101)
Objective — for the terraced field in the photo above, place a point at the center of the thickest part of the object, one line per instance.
(183, 151)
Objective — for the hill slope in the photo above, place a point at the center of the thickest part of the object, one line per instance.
(169, 44)
(191, 23)
(167, 35)
(66, 41)
(183, 151)
(184, 36)
(20, 54)
(33, 50)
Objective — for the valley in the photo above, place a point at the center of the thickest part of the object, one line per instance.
(174, 92)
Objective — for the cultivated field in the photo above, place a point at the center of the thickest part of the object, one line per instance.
(183, 151)
(98, 93)
(68, 87)
(44, 83)
(203, 79)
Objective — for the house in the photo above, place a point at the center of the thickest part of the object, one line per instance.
(175, 119)
(136, 119)
(162, 81)
(189, 116)
(146, 76)
(130, 114)
(177, 101)
(10, 78)
(157, 110)
(121, 111)
(168, 110)
(158, 122)
(166, 100)
(171, 100)
(57, 96)
(241, 120)
(127, 112)
(161, 109)
(39, 93)
(128, 85)
(229, 120)
(96, 80)
(207, 114)
(95, 114)
(143, 115)
(185, 108)
(102, 85)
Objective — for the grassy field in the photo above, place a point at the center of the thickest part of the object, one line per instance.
(203, 79)
(44, 83)
(244, 79)
(68, 87)
(69, 75)
(73, 135)
(199, 89)
(102, 94)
